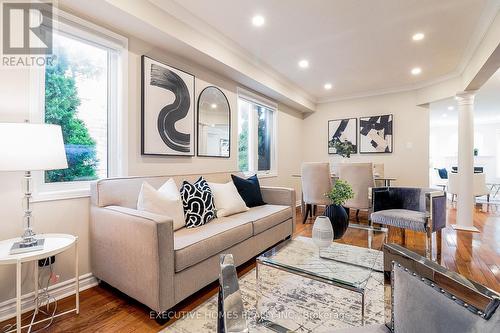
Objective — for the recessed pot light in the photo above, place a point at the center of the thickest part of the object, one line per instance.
(418, 36)
(328, 86)
(451, 108)
(303, 63)
(258, 20)
(416, 71)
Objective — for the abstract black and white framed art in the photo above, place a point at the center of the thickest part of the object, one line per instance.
(167, 115)
(343, 130)
(375, 134)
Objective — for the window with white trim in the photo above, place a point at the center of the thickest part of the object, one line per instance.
(81, 90)
(256, 137)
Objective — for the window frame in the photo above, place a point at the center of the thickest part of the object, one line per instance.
(255, 99)
(117, 111)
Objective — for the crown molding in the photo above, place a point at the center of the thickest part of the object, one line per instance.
(486, 18)
(176, 10)
(388, 91)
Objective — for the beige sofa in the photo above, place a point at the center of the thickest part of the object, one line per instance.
(141, 255)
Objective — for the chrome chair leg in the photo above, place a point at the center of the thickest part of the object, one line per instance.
(428, 244)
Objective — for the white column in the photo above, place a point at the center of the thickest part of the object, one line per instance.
(465, 196)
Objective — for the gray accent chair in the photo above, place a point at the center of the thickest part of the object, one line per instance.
(417, 209)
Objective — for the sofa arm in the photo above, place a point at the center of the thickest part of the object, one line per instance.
(281, 196)
(134, 252)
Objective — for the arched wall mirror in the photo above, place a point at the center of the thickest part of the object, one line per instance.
(214, 123)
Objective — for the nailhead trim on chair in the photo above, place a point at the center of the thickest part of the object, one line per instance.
(431, 284)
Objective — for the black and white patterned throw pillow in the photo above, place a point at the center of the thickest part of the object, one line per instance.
(198, 203)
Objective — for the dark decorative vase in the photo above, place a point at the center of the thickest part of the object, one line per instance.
(339, 218)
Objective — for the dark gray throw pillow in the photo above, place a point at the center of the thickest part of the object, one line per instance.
(249, 189)
(198, 203)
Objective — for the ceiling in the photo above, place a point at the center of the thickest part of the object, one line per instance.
(486, 106)
(362, 47)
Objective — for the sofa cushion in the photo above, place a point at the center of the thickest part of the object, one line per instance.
(227, 199)
(193, 245)
(164, 201)
(249, 189)
(401, 218)
(198, 202)
(267, 216)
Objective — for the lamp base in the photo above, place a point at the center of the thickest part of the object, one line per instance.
(22, 247)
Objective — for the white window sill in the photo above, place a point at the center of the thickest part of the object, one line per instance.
(261, 175)
(267, 175)
(61, 195)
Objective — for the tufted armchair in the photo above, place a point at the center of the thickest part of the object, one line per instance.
(417, 209)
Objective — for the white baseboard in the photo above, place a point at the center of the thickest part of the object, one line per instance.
(58, 291)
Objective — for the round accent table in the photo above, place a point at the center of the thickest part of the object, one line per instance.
(54, 244)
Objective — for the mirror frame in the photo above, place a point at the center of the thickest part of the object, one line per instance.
(198, 123)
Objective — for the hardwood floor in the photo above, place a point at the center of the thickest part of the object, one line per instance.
(474, 255)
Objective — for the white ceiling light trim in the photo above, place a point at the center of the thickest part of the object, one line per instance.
(418, 36)
(304, 63)
(328, 86)
(258, 20)
(395, 88)
(416, 71)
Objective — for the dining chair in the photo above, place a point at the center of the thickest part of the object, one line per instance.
(378, 172)
(442, 175)
(479, 185)
(360, 177)
(316, 182)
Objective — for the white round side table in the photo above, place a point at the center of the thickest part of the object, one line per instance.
(54, 244)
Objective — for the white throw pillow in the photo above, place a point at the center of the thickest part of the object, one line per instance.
(164, 201)
(227, 199)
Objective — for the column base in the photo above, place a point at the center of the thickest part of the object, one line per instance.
(464, 228)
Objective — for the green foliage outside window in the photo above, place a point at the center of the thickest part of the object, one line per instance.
(61, 106)
(243, 147)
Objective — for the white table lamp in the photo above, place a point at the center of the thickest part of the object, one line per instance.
(29, 147)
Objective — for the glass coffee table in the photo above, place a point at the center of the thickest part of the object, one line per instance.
(348, 263)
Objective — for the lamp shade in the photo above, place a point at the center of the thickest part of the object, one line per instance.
(30, 147)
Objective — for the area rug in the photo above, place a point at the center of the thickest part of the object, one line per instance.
(297, 303)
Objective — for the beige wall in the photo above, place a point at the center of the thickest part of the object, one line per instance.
(410, 159)
(289, 125)
(72, 216)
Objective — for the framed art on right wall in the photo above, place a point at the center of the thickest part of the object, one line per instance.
(376, 134)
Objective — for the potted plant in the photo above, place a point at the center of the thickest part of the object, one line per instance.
(339, 194)
(343, 148)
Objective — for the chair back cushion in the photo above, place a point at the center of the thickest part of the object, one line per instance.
(360, 177)
(443, 173)
(316, 182)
